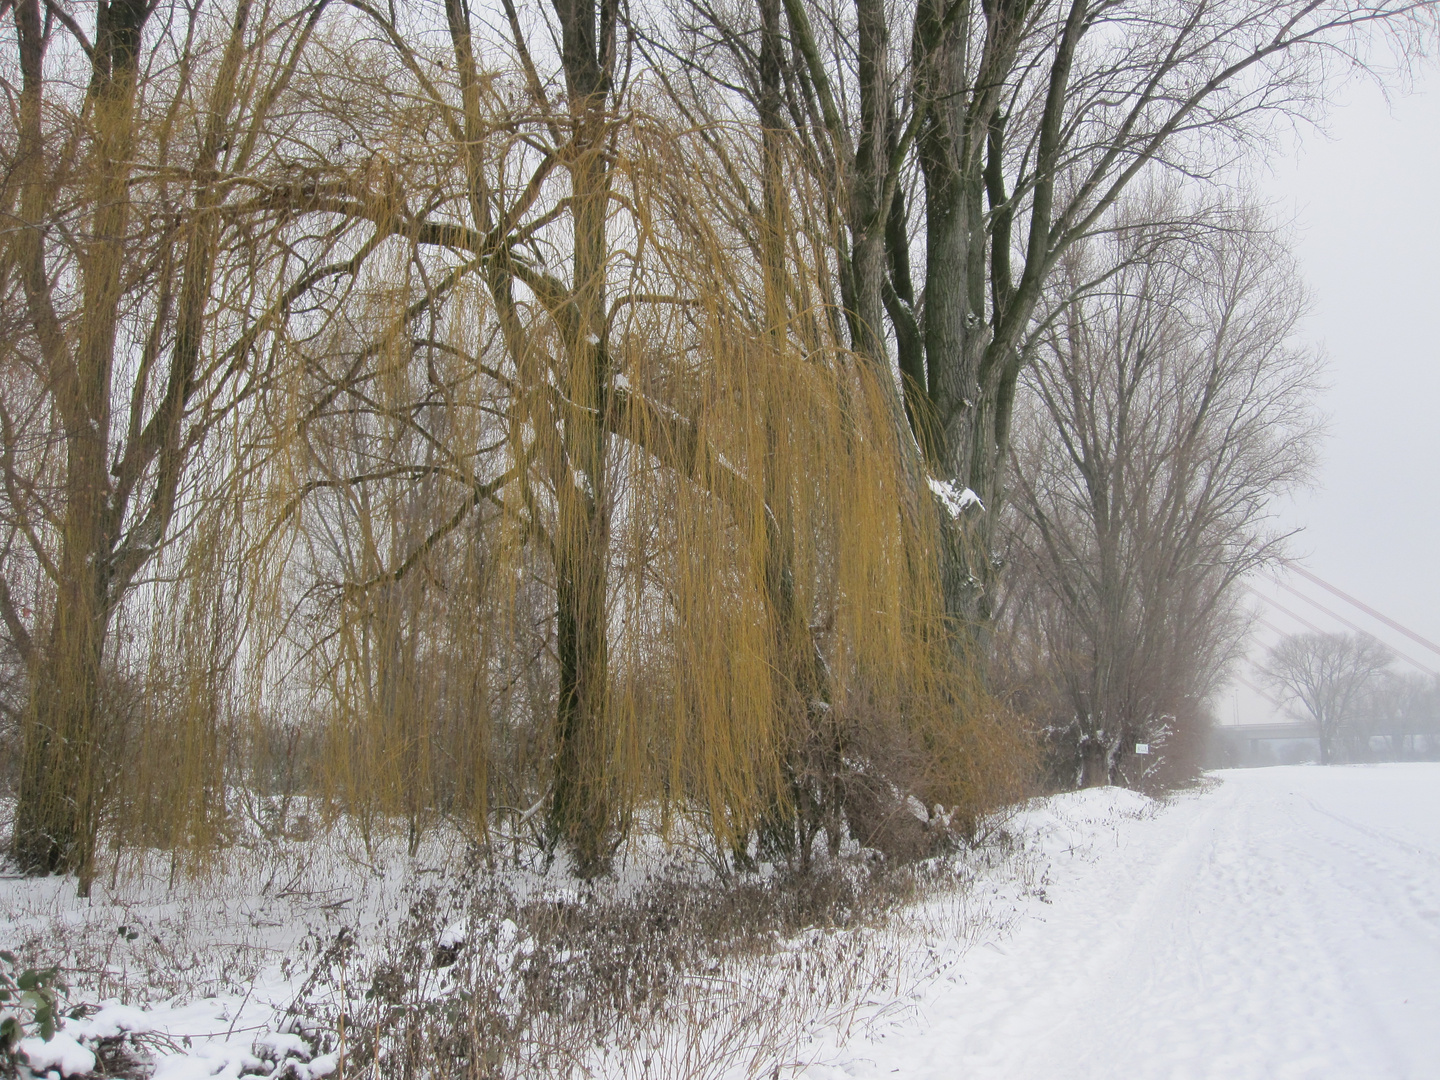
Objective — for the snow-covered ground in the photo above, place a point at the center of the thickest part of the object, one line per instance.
(1276, 923)
(1282, 923)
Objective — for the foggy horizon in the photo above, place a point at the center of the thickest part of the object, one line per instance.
(1365, 230)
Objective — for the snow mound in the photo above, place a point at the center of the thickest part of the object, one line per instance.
(453, 936)
(1079, 818)
(1100, 803)
(111, 1021)
(62, 1054)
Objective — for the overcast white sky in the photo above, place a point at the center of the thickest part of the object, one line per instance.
(1366, 203)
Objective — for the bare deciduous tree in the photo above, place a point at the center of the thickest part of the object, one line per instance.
(1003, 134)
(1403, 708)
(1326, 675)
(626, 408)
(1164, 409)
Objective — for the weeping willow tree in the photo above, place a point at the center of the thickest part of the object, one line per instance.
(589, 502)
(136, 307)
(447, 410)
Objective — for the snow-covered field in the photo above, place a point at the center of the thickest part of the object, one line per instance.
(1283, 923)
(1276, 923)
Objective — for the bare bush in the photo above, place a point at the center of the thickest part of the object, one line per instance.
(461, 960)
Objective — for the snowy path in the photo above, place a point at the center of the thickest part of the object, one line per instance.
(1285, 923)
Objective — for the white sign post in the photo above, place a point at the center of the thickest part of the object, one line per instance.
(1142, 748)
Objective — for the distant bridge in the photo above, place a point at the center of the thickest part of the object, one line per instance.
(1253, 733)
(1294, 741)
(1284, 742)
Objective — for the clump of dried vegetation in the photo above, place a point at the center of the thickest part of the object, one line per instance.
(475, 962)
(677, 979)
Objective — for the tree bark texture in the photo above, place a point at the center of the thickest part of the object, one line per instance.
(56, 820)
(581, 810)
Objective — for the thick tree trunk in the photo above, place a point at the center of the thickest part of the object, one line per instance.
(581, 811)
(1094, 763)
(55, 819)
(960, 124)
(971, 357)
(869, 207)
(803, 688)
(56, 816)
(577, 426)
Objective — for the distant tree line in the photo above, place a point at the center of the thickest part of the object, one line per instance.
(1362, 709)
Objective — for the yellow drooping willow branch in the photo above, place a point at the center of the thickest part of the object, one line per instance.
(767, 611)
